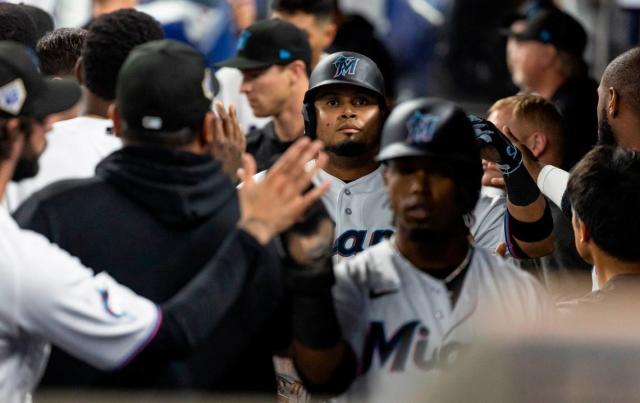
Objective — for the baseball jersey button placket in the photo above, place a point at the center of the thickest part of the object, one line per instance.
(348, 211)
(347, 192)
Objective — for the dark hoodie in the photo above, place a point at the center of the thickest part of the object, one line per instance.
(151, 218)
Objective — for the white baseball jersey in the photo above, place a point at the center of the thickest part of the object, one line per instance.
(400, 323)
(46, 295)
(487, 226)
(360, 209)
(74, 148)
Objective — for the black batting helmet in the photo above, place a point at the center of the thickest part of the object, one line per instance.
(429, 127)
(344, 68)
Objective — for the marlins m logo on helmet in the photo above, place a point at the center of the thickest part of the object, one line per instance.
(345, 65)
(421, 127)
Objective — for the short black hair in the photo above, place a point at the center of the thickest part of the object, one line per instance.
(42, 19)
(59, 51)
(16, 25)
(321, 9)
(109, 40)
(603, 191)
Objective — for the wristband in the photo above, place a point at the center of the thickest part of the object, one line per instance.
(315, 323)
(530, 231)
(552, 181)
(521, 189)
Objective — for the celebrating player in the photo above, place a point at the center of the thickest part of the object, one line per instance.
(408, 305)
(345, 108)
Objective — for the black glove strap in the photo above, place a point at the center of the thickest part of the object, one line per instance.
(531, 231)
(521, 189)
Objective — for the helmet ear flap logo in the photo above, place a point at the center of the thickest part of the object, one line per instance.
(345, 65)
(421, 127)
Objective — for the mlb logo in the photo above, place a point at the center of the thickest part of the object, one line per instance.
(345, 66)
(13, 96)
(421, 127)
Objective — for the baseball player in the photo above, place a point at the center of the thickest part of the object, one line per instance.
(345, 108)
(46, 295)
(408, 305)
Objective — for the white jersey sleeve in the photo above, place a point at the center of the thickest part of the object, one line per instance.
(57, 299)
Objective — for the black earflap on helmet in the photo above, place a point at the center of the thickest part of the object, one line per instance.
(348, 68)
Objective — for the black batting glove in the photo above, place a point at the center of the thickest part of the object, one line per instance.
(488, 135)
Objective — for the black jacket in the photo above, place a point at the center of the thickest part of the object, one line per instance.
(577, 102)
(265, 146)
(151, 218)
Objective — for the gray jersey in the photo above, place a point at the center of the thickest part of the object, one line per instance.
(46, 295)
(487, 226)
(360, 209)
(400, 322)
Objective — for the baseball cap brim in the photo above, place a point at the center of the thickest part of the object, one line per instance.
(399, 150)
(58, 95)
(243, 63)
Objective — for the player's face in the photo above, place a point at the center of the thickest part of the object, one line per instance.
(320, 32)
(267, 90)
(349, 120)
(422, 197)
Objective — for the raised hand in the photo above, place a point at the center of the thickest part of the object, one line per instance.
(274, 204)
(495, 146)
(229, 141)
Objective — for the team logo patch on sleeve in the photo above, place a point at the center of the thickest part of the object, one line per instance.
(12, 96)
(421, 127)
(345, 66)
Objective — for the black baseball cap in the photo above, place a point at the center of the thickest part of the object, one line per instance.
(270, 42)
(24, 91)
(554, 27)
(164, 86)
(429, 127)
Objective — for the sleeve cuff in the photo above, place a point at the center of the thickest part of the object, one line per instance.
(552, 182)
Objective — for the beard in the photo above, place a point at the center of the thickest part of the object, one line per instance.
(605, 132)
(28, 164)
(350, 148)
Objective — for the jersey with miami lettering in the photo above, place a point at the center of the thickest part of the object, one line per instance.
(360, 209)
(402, 327)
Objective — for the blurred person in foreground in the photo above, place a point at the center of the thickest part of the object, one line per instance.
(409, 306)
(48, 296)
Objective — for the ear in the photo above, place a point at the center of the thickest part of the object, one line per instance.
(297, 70)
(537, 143)
(114, 115)
(613, 106)
(207, 134)
(78, 70)
(582, 233)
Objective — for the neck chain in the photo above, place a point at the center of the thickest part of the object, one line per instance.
(456, 272)
(463, 265)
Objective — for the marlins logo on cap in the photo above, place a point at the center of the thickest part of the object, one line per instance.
(345, 65)
(421, 127)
